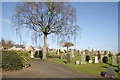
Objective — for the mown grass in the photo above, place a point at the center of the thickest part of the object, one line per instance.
(90, 69)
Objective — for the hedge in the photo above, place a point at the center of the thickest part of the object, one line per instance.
(25, 57)
(11, 60)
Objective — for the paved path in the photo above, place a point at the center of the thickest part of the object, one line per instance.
(44, 69)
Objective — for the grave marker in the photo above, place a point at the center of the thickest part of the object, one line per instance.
(68, 58)
(83, 58)
(110, 73)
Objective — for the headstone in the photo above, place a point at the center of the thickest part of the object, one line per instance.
(72, 54)
(90, 61)
(114, 59)
(58, 52)
(77, 62)
(96, 59)
(61, 57)
(110, 73)
(79, 52)
(32, 54)
(83, 59)
(102, 57)
(68, 58)
(83, 53)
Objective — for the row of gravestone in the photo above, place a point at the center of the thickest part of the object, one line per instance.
(110, 72)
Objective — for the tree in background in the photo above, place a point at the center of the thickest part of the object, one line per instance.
(87, 52)
(68, 44)
(3, 43)
(44, 18)
(6, 44)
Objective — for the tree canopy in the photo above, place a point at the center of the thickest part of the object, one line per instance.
(44, 18)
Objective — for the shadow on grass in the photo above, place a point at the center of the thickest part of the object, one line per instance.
(112, 65)
(107, 67)
(65, 62)
(102, 74)
(53, 56)
(104, 67)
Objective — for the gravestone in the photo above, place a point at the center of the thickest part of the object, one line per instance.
(96, 59)
(79, 52)
(83, 58)
(114, 59)
(90, 61)
(62, 56)
(110, 73)
(83, 53)
(58, 52)
(102, 58)
(32, 54)
(77, 62)
(72, 53)
(68, 58)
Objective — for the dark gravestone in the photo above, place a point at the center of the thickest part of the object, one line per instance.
(110, 73)
(68, 58)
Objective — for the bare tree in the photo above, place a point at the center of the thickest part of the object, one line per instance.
(44, 18)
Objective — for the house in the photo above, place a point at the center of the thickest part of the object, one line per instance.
(31, 48)
(18, 48)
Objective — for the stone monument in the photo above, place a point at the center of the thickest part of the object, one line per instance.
(68, 58)
(83, 58)
(110, 73)
(90, 61)
(72, 53)
(32, 54)
(114, 59)
(96, 59)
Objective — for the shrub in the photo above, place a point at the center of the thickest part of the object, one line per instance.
(105, 59)
(87, 58)
(26, 58)
(38, 54)
(99, 56)
(11, 60)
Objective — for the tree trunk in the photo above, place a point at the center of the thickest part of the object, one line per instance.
(44, 48)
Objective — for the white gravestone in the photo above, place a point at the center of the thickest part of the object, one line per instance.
(80, 52)
(90, 61)
(83, 59)
(77, 62)
(72, 54)
(32, 54)
(96, 59)
(83, 53)
(58, 52)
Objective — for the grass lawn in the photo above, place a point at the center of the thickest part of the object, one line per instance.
(90, 69)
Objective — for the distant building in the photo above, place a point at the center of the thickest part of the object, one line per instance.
(31, 48)
(18, 48)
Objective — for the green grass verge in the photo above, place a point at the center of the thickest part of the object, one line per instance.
(90, 69)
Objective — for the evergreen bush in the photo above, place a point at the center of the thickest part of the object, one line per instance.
(11, 60)
(87, 58)
(105, 59)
